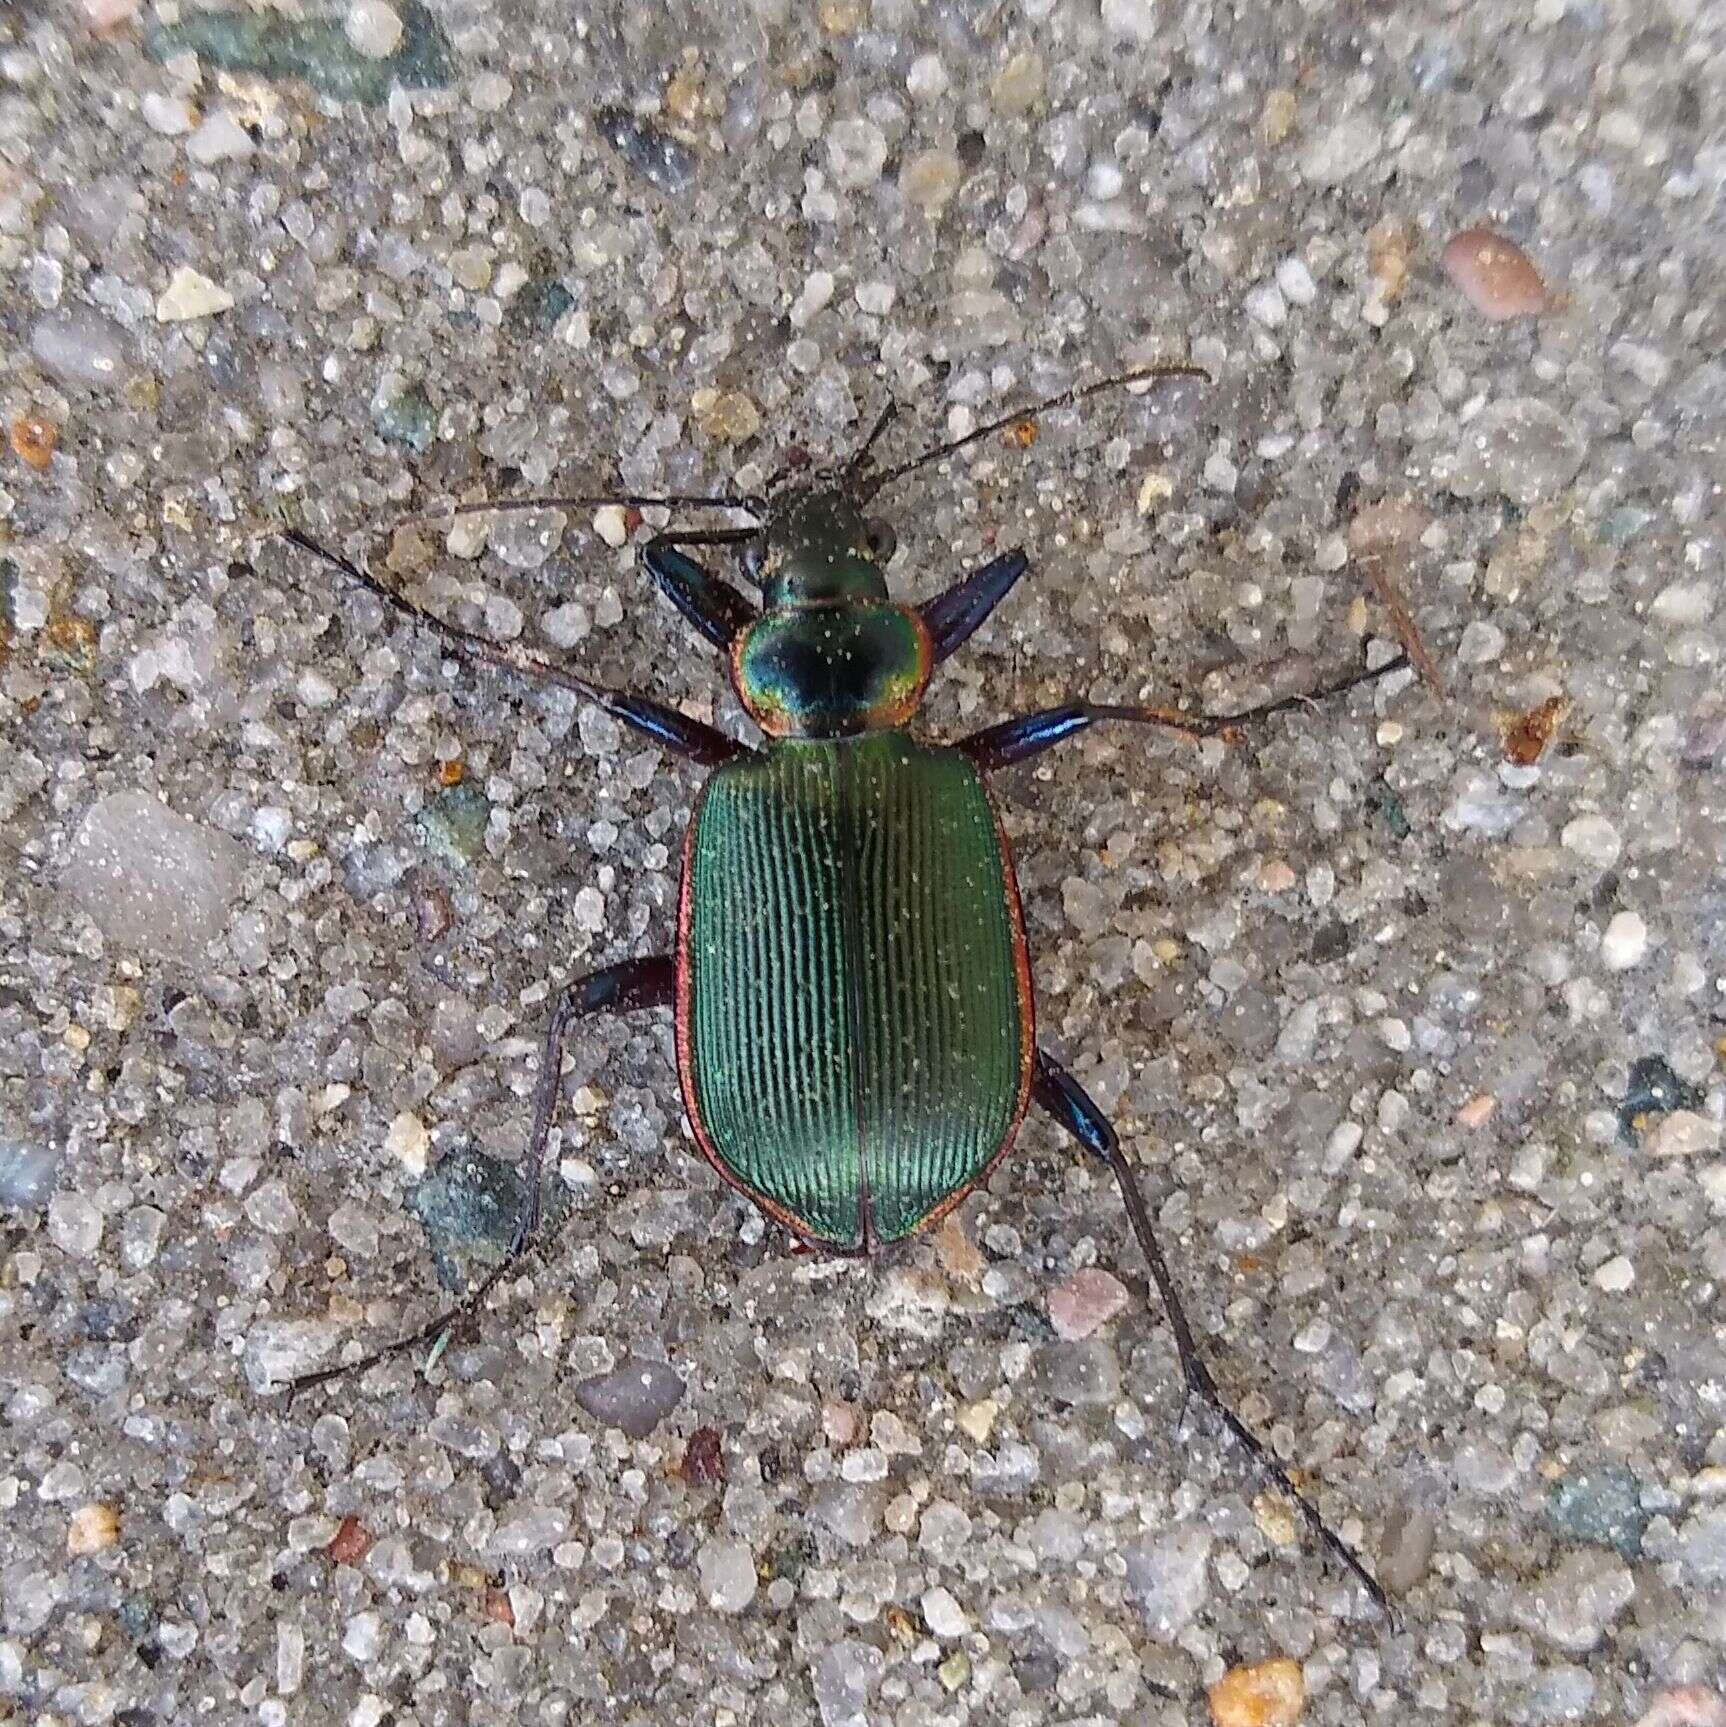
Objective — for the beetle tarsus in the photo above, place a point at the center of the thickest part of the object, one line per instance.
(1018, 740)
(627, 987)
(1068, 1102)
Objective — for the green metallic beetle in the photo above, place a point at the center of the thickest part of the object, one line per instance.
(856, 1028)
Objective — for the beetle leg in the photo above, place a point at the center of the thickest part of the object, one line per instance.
(628, 987)
(1017, 740)
(1067, 1101)
(712, 605)
(953, 616)
(665, 725)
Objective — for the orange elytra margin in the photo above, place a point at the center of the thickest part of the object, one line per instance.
(785, 1218)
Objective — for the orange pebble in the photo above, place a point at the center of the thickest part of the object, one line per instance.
(1497, 278)
(33, 440)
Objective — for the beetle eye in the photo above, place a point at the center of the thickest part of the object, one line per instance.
(881, 540)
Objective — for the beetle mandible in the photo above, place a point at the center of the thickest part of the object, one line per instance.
(855, 1020)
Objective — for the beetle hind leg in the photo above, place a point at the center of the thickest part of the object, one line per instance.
(627, 987)
(1067, 1101)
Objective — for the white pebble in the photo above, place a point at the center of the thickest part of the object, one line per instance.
(172, 116)
(856, 152)
(1616, 1275)
(1481, 643)
(221, 138)
(74, 1224)
(876, 298)
(1683, 1133)
(927, 78)
(566, 625)
(1132, 20)
(817, 293)
(1265, 305)
(189, 295)
(943, 1614)
(1296, 282)
(1625, 941)
(727, 1573)
(612, 525)
(1594, 839)
(374, 29)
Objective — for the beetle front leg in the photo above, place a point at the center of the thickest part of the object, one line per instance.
(1057, 1092)
(1017, 740)
(627, 987)
(954, 615)
(712, 605)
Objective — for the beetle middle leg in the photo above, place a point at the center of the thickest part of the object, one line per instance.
(1057, 1092)
(1020, 739)
(627, 987)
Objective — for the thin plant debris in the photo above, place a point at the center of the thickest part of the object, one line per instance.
(1377, 566)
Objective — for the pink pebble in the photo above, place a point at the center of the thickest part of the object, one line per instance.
(1496, 276)
(103, 15)
(1686, 1706)
(1087, 1299)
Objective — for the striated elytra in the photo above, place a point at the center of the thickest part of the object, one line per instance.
(856, 1029)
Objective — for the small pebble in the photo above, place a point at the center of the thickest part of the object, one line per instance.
(1685, 1706)
(1683, 1133)
(408, 1142)
(33, 440)
(931, 178)
(1018, 86)
(636, 1395)
(350, 1543)
(190, 295)
(1341, 150)
(1625, 942)
(927, 80)
(79, 348)
(1265, 1694)
(170, 116)
(1131, 20)
(27, 1171)
(856, 152)
(1616, 1275)
(1593, 839)
(74, 1224)
(1494, 273)
(93, 1527)
(726, 1571)
(943, 1614)
(1478, 1111)
(373, 28)
(728, 417)
(105, 15)
(1088, 1300)
(611, 523)
(220, 138)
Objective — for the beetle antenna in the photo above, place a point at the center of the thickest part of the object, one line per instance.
(628, 500)
(469, 642)
(1079, 392)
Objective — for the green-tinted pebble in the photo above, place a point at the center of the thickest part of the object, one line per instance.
(452, 825)
(1602, 1506)
(315, 49)
(405, 416)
